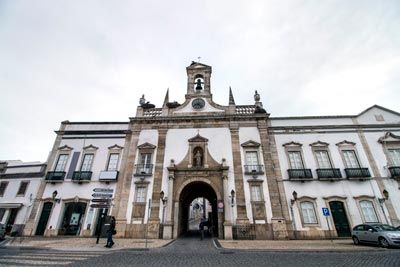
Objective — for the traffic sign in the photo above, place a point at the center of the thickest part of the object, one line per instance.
(100, 206)
(104, 195)
(103, 190)
(325, 211)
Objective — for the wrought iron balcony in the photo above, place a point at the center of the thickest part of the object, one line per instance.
(254, 169)
(357, 173)
(81, 176)
(395, 171)
(329, 174)
(300, 174)
(55, 177)
(108, 176)
(143, 170)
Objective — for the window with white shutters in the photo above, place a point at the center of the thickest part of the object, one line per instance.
(367, 208)
(350, 158)
(296, 161)
(308, 212)
(87, 162)
(323, 159)
(61, 163)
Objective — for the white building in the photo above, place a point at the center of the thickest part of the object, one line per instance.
(264, 177)
(19, 183)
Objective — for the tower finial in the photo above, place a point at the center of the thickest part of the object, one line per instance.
(166, 99)
(231, 99)
(198, 59)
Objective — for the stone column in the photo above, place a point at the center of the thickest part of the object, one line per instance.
(154, 218)
(228, 210)
(169, 224)
(123, 187)
(31, 223)
(280, 213)
(238, 173)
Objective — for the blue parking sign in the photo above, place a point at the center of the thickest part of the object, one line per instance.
(325, 211)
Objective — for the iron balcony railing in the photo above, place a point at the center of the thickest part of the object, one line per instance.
(329, 174)
(55, 176)
(395, 171)
(144, 169)
(81, 176)
(357, 173)
(253, 169)
(108, 176)
(300, 174)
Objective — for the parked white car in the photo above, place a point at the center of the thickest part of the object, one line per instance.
(382, 234)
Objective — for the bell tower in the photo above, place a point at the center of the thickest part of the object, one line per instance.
(198, 80)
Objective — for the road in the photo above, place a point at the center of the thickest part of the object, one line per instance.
(193, 252)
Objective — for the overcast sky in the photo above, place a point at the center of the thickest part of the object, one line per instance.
(92, 60)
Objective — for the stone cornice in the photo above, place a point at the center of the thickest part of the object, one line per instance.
(250, 143)
(389, 137)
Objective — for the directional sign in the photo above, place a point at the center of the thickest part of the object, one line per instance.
(100, 206)
(325, 211)
(107, 200)
(103, 190)
(102, 195)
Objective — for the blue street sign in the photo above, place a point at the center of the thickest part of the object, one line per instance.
(325, 211)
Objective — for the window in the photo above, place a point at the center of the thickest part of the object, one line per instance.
(367, 208)
(61, 163)
(323, 159)
(350, 159)
(22, 188)
(145, 163)
(140, 194)
(113, 162)
(394, 155)
(256, 193)
(308, 212)
(3, 186)
(296, 161)
(251, 158)
(87, 162)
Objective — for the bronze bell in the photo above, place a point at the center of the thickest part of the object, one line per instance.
(198, 85)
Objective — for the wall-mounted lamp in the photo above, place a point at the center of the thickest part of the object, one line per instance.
(163, 198)
(292, 201)
(232, 196)
(385, 194)
(54, 195)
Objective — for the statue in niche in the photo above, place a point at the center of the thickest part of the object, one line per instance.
(198, 158)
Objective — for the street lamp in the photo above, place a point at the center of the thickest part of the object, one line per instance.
(292, 201)
(54, 195)
(385, 194)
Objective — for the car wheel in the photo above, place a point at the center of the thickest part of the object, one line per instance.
(383, 242)
(355, 240)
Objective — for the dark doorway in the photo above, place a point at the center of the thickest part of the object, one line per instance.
(191, 192)
(101, 218)
(11, 220)
(340, 218)
(44, 218)
(73, 217)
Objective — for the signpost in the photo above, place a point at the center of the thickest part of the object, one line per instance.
(101, 200)
(325, 212)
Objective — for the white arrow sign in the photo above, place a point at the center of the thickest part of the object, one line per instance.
(103, 190)
(102, 195)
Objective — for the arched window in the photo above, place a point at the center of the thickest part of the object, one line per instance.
(368, 210)
(308, 212)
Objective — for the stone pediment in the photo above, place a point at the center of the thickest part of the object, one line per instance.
(146, 146)
(250, 143)
(65, 148)
(198, 139)
(389, 138)
(115, 147)
(90, 147)
(319, 144)
(346, 143)
(292, 143)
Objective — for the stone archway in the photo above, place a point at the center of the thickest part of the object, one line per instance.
(191, 191)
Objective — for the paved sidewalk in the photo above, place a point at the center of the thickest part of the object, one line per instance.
(297, 245)
(83, 244)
